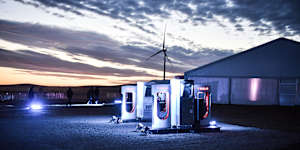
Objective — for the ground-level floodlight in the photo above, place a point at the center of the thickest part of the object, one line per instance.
(36, 106)
(212, 123)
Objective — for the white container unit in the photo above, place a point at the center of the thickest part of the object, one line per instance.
(161, 106)
(176, 92)
(181, 102)
(172, 104)
(144, 101)
(129, 100)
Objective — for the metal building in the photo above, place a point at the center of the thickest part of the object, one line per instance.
(264, 75)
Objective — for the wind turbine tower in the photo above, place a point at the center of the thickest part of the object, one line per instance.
(164, 51)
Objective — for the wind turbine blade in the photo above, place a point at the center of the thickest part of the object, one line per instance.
(164, 37)
(169, 60)
(154, 54)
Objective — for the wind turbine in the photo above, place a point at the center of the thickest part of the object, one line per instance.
(163, 50)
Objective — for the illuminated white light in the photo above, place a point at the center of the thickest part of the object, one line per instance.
(213, 126)
(118, 101)
(36, 106)
(212, 123)
(175, 101)
(140, 99)
(254, 86)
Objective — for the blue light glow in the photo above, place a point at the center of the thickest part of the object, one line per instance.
(212, 123)
(35, 106)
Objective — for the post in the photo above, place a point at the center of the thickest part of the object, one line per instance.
(278, 91)
(297, 89)
(229, 90)
(165, 67)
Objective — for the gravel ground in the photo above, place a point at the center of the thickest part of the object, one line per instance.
(89, 128)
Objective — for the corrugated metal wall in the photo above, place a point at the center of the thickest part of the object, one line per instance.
(219, 87)
(254, 91)
(298, 92)
(288, 92)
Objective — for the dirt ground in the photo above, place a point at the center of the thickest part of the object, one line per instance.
(264, 117)
(88, 128)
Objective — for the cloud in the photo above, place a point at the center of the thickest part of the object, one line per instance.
(93, 45)
(190, 58)
(278, 15)
(47, 37)
(25, 59)
(61, 75)
(54, 4)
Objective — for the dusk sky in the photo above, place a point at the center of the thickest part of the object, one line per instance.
(107, 42)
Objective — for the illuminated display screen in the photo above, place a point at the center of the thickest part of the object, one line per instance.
(200, 95)
(187, 92)
(203, 104)
(162, 105)
(161, 97)
(129, 102)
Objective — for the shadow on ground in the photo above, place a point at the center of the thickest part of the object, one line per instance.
(264, 117)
